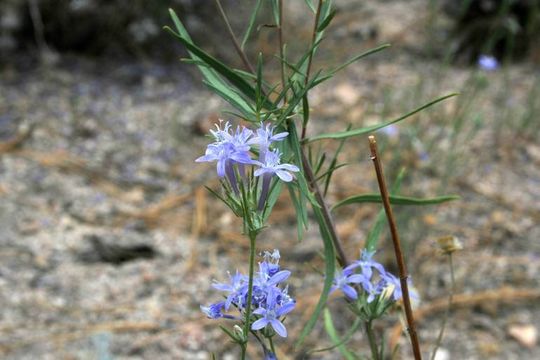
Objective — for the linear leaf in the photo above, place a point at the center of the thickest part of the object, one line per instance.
(333, 163)
(232, 98)
(273, 197)
(331, 331)
(348, 335)
(225, 71)
(359, 56)
(311, 6)
(252, 19)
(324, 23)
(330, 265)
(394, 200)
(368, 129)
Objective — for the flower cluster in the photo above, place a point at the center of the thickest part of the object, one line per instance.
(270, 301)
(231, 150)
(378, 283)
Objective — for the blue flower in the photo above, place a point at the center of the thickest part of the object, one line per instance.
(271, 313)
(268, 276)
(264, 138)
(237, 290)
(226, 154)
(221, 135)
(366, 263)
(272, 166)
(213, 311)
(229, 150)
(488, 63)
(391, 280)
(342, 279)
(268, 355)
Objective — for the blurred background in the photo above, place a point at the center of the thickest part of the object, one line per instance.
(110, 241)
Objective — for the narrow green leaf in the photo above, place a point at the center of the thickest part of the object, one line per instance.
(311, 6)
(325, 174)
(232, 98)
(293, 102)
(332, 333)
(368, 129)
(273, 197)
(320, 163)
(251, 23)
(300, 211)
(326, 21)
(330, 265)
(275, 11)
(220, 67)
(305, 110)
(333, 163)
(294, 147)
(359, 56)
(236, 80)
(230, 333)
(394, 200)
(258, 88)
(348, 335)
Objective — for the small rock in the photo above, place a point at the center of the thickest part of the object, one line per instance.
(526, 335)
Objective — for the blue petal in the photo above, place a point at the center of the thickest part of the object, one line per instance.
(350, 292)
(279, 277)
(356, 278)
(279, 327)
(221, 168)
(259, 324)
(285, 309)
(283, 175)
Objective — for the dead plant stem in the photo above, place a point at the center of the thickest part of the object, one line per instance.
(239, 50)
(403, 276)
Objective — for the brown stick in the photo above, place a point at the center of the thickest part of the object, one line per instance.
(239, 50)
(403, 276)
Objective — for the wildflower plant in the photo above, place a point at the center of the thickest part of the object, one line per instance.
(274, 150)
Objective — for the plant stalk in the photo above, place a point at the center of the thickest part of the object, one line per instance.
(371, 340)
(237, 47)
(403, 276)
(252, 241)
(281, 55)
(342, 258)
(449, 308)
(310, 58)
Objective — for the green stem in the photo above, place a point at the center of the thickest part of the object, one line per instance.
(372, 341)
(252, 239)
(310, 58)
(447, 313)
(272, 344)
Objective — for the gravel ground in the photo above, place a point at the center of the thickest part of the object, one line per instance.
(109, 240)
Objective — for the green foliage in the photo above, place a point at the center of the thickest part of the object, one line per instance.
(370, 129)
(288, 109)
(394, 199)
